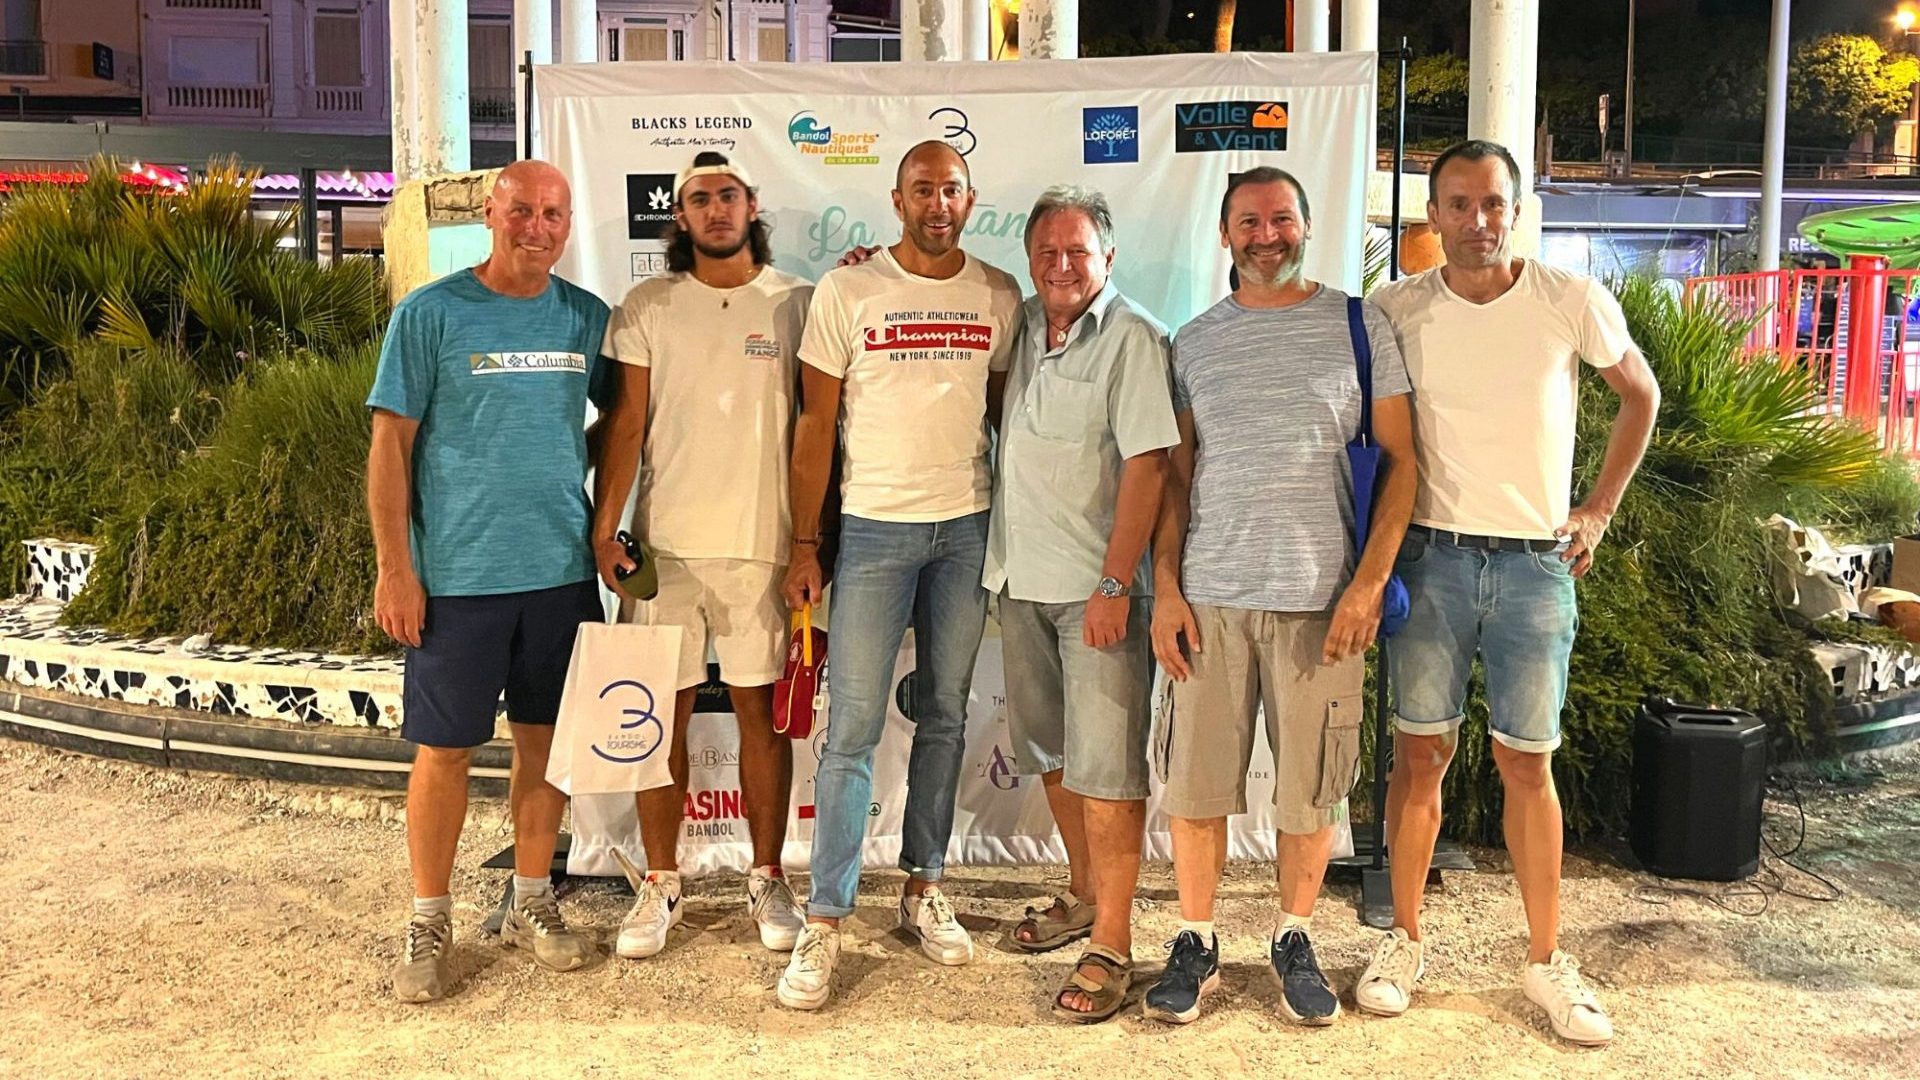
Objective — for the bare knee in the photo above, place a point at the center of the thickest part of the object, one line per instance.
(1424, 759)
(1523, 771)
(440, 760)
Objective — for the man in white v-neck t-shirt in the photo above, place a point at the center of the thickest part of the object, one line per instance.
(896, 356)
(704, 413)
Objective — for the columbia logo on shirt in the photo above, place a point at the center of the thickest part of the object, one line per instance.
(502, 363)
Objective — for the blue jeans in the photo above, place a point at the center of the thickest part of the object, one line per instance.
(891, 574)
(1515, 609)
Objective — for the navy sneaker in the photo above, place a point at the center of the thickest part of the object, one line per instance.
(1192, 972)
(1305, 995)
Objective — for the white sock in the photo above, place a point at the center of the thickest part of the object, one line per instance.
(1302, 923)
(1204, 929)
(527, 888)
(433, 905)
(666, 879)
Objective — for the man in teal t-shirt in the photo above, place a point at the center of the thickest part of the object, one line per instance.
(476, 483)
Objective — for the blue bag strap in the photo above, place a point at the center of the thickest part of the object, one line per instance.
(1363, 361)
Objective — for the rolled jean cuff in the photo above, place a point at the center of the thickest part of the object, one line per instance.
(1527, 746)
(924, 873)
(827, 911)
(1420, 727)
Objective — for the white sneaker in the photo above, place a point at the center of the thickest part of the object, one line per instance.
(808, 980)
(1571, 1008)
(1386, 989)
(770, 901)
(655, 911)
(930, 918)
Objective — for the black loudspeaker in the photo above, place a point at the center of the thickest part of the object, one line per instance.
(1699, 777)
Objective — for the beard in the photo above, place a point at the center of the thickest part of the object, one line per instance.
(727, 252)
(1292, 264)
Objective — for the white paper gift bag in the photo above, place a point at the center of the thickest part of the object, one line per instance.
(616, 712)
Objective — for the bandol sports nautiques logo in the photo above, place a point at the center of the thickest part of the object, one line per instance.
(814, 137)
(637, 738)
(1110, 135)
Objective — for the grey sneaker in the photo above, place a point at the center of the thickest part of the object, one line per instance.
(535, 925)
(421, 974)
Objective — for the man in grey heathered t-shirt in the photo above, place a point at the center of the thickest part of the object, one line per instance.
(1262, 602)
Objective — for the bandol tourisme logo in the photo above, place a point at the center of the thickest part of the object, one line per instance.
(637, 738)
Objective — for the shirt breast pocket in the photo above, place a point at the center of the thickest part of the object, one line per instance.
(1066, 410)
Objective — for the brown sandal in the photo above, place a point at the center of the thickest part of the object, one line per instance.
(1077, 924)
(1107, 997)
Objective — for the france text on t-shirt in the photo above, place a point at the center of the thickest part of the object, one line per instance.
(913, 355)
(500, 386)
(1275, 396)
(1498, 386)
(720, 370)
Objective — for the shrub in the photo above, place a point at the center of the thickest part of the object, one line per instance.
(116, 424)
(263, 539)
(194, 271)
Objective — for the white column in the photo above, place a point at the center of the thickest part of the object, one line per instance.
(1050, 29)
(1501, 71)
(1773, 154)
(403, 91)
(1310, 22)
(930, 29)
(1359, 25)
(441, 43)
(579, 31)
(532, 31)
(975, 37)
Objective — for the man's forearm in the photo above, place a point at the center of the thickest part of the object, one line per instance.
(813, 437)
(621, 437)
(1391, 512)
(1143, 480)
(1626, 446)
(1170, 533)
(389, 505)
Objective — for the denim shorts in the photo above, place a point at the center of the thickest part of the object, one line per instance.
(1515, 609)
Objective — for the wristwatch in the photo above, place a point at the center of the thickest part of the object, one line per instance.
(1111, 588)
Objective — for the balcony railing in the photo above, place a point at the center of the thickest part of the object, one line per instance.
(490, 104)
(327, 99)
(20, 57)
(227, 100)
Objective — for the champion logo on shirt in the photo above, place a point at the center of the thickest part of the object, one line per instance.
(930, 335)
(506, 363)
(762, 347)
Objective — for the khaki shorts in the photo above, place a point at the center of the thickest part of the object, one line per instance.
(734, 604)
(1252, 660)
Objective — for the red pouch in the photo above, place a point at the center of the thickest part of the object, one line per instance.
(801, 691)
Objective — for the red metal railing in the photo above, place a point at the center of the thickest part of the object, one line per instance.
(1835, 323)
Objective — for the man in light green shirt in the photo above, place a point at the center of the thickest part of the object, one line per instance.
(1084, 431)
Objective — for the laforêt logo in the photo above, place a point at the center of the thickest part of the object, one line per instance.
(1110, 135)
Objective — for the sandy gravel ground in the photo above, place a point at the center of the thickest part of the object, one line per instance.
(162, 924)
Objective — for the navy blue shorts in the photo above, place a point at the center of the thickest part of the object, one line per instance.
(475, 648)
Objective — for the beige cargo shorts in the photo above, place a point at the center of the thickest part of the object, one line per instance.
(1253, 661)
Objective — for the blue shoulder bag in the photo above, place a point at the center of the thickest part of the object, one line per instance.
(1363, 456)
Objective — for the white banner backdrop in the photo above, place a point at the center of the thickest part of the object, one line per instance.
(1158, 135)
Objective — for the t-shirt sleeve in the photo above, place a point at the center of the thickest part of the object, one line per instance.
(1182, 399)
(593, 338)
(1012, 316)
(627, 331)
(409, 361)
(1139, 402)
(1389, 365)
(1604, 339)
(827, 341)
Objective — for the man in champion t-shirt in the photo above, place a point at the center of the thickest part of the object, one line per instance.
(896, 354)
